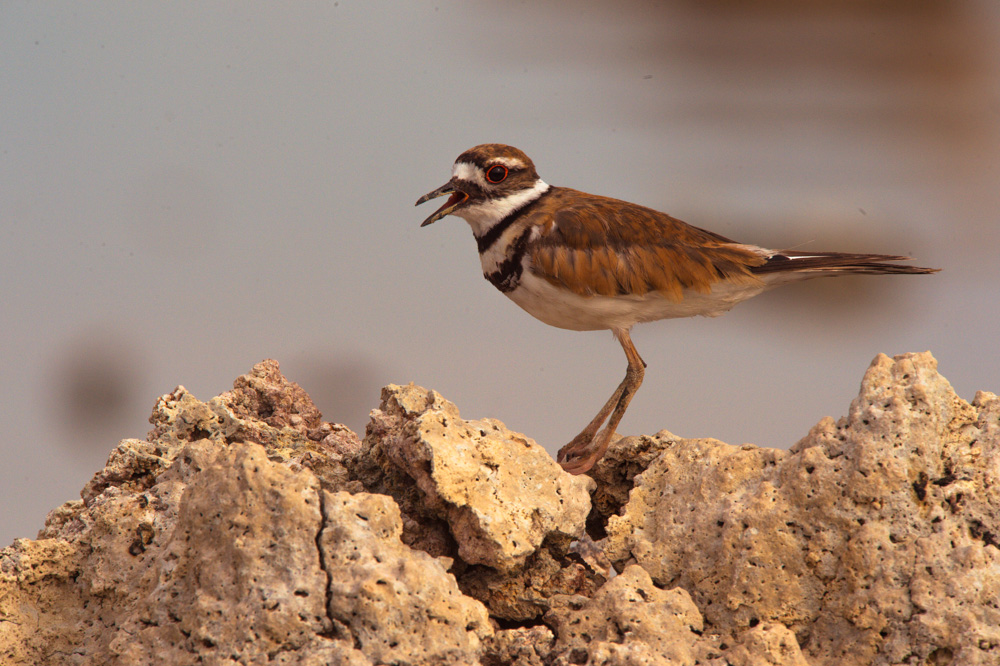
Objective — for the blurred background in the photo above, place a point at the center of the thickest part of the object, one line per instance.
(188, 189)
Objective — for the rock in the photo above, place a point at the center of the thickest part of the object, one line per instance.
(615, 475)
(217, 558)
(629, 620)
(246, 530)
(202, 545)
(873, 539)
(40, 603)
(766, 644)
(501, 494)
(399, 605)
(265, 408)
(632, 621)
(490, 499)
(524, 646)
(523, 594)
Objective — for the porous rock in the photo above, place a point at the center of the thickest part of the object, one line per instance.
(217, 558)
(246, 530)
(491, 499)
(501, 493)
(263, 407)
(522, 646)
(874, 539)
(631, 621)
(399, 605)
(214, 542)
(522, 595)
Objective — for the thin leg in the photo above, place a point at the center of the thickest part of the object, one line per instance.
(587, 448)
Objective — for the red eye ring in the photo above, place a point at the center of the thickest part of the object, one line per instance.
(496, 173)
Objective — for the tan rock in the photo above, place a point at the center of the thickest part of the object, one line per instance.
(524, 594)
(630, 621)
(200, 546)
(217, 558)
(501, 494)
(264, 408)
(490, 499)
(615, 475)
(399, 605)
(40, 603)
(524, 646)
(770, 644)
(246, 530)
(873, 539)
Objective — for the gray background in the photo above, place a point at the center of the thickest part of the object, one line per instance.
(188, 189)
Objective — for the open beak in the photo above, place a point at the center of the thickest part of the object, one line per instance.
(454, 201)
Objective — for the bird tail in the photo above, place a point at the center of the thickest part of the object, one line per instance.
(804, 265)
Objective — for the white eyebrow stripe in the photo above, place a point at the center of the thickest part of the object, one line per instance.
(509, 162)
(468, 171)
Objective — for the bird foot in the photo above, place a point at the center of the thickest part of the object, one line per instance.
(581, 454)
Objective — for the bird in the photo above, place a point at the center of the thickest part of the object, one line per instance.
(585, 262)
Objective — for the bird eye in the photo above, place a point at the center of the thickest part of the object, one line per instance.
(496, 173)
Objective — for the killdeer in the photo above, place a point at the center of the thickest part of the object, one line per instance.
(585, 262)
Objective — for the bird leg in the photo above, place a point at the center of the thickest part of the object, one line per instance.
(587, 448)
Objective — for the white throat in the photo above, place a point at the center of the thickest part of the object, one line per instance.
(483, 216)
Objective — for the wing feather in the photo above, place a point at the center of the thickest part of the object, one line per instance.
(595, 245)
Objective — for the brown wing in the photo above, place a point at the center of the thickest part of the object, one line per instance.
(595, 245)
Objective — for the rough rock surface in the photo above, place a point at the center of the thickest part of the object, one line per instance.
(874, 539)
(398, 605)
(245, 530)
(632, 621)
(477, 475)
(492, 500)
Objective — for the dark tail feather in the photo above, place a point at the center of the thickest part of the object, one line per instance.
(838, 263)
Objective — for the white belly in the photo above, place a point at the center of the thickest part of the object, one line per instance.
(564, 309)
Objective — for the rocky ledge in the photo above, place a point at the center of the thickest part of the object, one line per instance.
(246, 530)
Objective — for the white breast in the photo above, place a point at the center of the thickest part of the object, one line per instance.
(564, 309)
